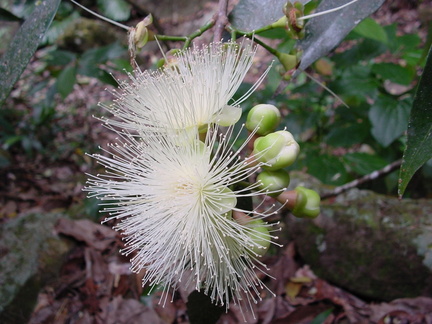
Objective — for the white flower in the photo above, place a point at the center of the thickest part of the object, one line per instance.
(195, 92)
(175, 206)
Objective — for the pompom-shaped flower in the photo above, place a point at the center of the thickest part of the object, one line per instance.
(190, 94)
(176, 204)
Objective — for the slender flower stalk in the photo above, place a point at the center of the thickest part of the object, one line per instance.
(194, 91)
(174, 204)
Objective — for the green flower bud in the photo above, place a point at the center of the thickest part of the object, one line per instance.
(278, 150)
(307, 203)
(141, 32)
(288, 61)
(260, 236)
(229, 115)
(225, 202)
(274, 180)
(267, 117)
(280, 23)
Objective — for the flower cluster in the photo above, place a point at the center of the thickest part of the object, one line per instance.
(173, 179)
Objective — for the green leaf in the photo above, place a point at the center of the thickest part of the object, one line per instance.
(276, 33)
(66, 80)
(106, 77)
(347, 135)
(118, 10)
(389, 118)
(321, 317)
(363, 163)
(355, 81)
(59, 57)
(58, 28)
(323, 33)
(24, 44)
(244, 16)
(327, 168)
(6, 15)
(91, 60)
(394, 72)
(419, 144)
(201, 309)
(369, 28)
(365, 50)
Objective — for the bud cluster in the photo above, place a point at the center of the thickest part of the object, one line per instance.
(276, 150)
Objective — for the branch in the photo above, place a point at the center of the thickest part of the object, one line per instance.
(369, 177)
(221, 20)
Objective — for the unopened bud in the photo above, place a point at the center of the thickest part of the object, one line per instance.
(324, 66)
(260, 236)
(225, 202)
(277, 150)
(141, 33)
(170, 59)
(259, 233)
(266, 117)
(307, 203)
(228, 115)
(280, 23)
(274, 181)
(288, 61)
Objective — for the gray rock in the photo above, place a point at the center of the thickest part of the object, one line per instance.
(376, 246)
(30, 256)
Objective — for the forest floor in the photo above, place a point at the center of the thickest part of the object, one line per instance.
(95, 284)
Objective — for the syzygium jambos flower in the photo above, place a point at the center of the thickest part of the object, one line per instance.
(194, 91)
(175, 204)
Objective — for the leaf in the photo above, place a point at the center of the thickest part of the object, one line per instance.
(118, 10)
(66, 80)
(24, 44)
(93, 58)
(327, 168)
(201, 309)
(325, 32)
(244, 16)
(58, 28)
(355, 81)
(6, 15)
(394, 72)
(419, 144)
(321, 317)
(369, 28)
(59, 57)
(389, 118)
(348, 135)
(364, 51)
(363, 163)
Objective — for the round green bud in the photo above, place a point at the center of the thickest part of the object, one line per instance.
(307, 203)
(288, 61)
(267, 117)
(278, 150)
(227, 116)
(225, 200)
(260, 236)
(276, 181)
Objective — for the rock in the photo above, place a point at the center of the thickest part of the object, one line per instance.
(84, 34)
(30, 256)
(373, 245)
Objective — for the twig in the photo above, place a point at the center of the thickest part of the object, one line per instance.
(221, 20)
(369, 177)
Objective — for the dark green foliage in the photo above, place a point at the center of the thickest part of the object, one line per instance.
(419, 146)
(24, 45)
(201, 309)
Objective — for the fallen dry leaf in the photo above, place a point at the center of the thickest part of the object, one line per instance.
(98, 236)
